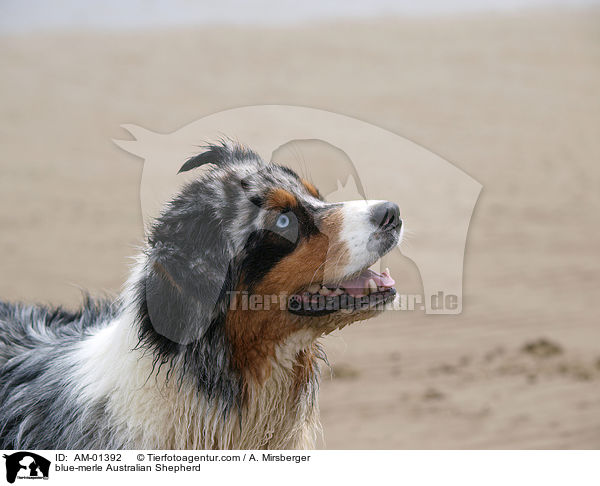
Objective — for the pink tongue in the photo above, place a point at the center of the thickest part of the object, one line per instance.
(357, 286)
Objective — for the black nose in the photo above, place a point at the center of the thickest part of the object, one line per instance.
(386, 216)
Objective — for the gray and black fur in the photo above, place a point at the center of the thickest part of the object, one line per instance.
(36, 391)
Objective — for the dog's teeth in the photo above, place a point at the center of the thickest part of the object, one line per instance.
(372, 285)
(324, 291)
(314, 288)
(337, 292)
(387, 272)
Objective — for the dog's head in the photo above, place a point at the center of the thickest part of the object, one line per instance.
(249, 255)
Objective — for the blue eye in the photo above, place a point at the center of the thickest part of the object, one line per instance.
(283, 221)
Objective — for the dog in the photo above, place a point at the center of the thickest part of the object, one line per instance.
(214, 341)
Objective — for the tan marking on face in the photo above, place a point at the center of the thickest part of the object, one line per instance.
(311, 188)
(307, 263)
(281, 199)
(255, 334)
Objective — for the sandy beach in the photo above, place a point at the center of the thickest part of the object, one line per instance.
(511, 99)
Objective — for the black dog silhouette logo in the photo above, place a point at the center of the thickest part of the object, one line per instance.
(26, 465)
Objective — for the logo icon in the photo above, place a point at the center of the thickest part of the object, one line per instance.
(26, 465)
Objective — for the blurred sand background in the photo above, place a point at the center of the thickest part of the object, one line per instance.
(513, 99)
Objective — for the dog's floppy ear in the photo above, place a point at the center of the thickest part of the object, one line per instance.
(188, 276)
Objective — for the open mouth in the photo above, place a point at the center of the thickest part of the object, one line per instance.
(366, 291)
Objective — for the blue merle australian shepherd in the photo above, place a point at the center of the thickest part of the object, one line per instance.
(213, 344)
